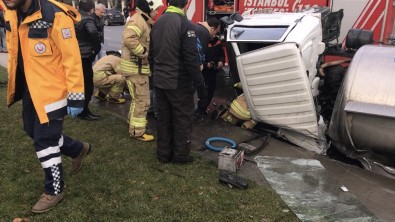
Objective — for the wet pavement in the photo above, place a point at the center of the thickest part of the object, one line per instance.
(370, 197)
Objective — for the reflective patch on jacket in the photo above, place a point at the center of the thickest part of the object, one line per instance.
(191, 33)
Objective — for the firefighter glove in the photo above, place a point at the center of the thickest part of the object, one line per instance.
(74, 111)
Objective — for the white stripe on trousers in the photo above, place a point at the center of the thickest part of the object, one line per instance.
(48, 151)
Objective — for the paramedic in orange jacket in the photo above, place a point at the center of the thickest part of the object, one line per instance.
(134, 65)
(45, 72)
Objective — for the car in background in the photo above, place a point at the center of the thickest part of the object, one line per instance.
(113, 16)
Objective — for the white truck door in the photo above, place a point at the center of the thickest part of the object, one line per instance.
(277, 89)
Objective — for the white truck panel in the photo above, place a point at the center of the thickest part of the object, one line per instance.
(277, 88)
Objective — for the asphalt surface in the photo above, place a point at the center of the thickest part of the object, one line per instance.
(370, 197)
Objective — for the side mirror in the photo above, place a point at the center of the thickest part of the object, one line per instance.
(227, 20)
(237, 17)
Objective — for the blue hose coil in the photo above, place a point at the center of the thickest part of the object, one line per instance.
(222, 139)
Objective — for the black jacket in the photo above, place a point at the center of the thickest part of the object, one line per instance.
(99, 21)
(173, 53)
(204, 36)
(214, 54)
(88, 36)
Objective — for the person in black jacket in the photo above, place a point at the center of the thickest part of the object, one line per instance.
(205, 32)
(98, 17)
(175, 65)
(214, 61)
(89, 42)
(126, 12)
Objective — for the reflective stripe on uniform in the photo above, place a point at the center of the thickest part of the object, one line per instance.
(133, 103)
(99, 74)
(135, 29)
(133, 121)
(133, 68)
(55, 105)
(127, 66)
(51, 162)
(138, 122)
(138, 50)
(118, 68)
(240, 112)
(145, 70)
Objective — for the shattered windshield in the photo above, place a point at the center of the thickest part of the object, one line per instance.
(257, 32)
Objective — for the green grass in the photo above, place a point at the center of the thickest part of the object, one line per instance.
(121, 180)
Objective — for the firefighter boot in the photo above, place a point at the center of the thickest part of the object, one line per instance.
(116, 101)
(100, 96)
(145, 137)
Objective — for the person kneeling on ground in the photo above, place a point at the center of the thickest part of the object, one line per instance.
(110, 84)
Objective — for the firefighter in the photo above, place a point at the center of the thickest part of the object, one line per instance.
(107, 80)
(45, 72)
(238, 113)
(134, 65)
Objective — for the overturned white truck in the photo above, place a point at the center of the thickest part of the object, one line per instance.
(277, 58)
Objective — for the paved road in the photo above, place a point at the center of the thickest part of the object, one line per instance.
(112, 37)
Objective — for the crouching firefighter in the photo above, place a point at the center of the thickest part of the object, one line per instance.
(106, 78)
(238, 113)
(135, 67)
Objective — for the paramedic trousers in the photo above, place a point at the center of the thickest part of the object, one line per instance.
(138, 86)
(175, 118)
(49, 144)
(111, 85)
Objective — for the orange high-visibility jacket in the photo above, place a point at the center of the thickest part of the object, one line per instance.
(51, 58)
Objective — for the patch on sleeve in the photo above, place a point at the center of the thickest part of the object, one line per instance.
(66, 33)
(191, 33)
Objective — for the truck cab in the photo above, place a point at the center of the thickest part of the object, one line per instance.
(275, 57)
(278, 59)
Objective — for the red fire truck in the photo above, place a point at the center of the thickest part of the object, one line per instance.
(375, 15)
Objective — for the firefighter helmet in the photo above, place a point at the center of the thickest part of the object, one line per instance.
(148, 6)
(154, 4)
